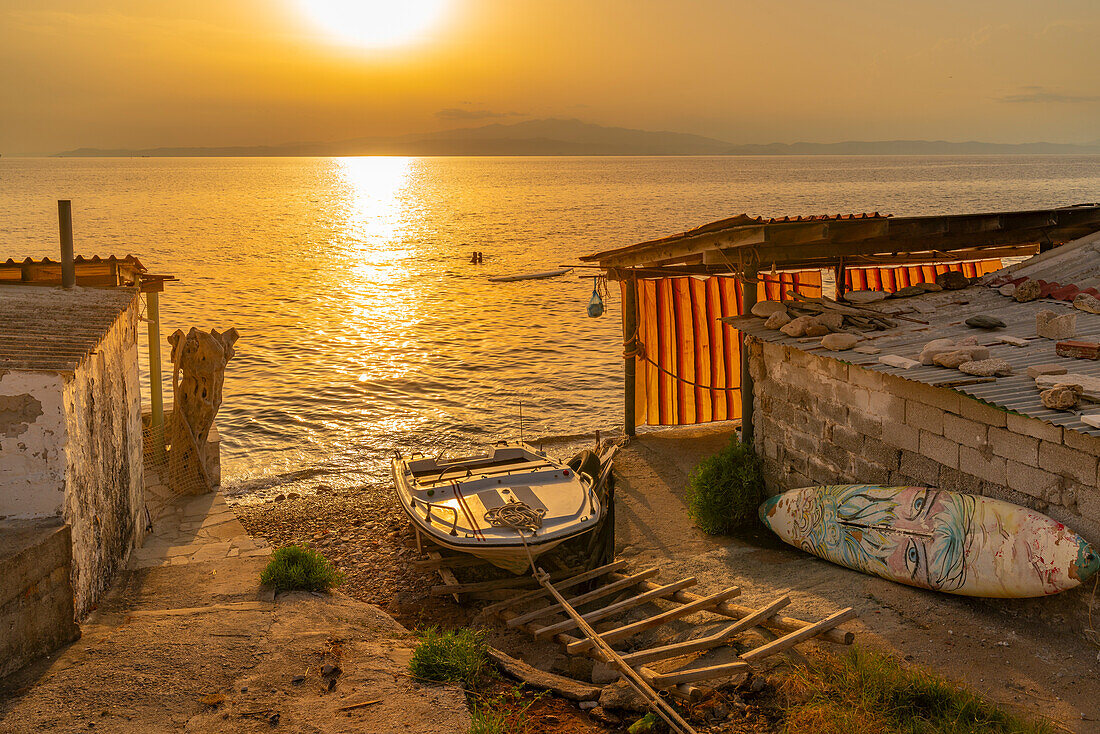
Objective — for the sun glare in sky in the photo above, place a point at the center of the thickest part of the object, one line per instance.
(375, 23)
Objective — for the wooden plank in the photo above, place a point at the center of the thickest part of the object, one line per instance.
(565, 687)
(561, 585)
(661, 680)
(634, 601)
(783, 624)
(576, 601)
(718, 639)
(792, 639)
(629, 630)
(445, 574)
(657, 704)
(684, 691)
(434, 564)
(516, 582)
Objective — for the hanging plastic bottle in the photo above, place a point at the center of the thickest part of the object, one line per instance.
(595, 303)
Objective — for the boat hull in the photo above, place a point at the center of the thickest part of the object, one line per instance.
(934, 539)
(456, 504)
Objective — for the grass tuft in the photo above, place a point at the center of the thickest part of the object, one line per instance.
(484, 721)
(294, 568)
(726, 489)
(457, 656)
(872, 693)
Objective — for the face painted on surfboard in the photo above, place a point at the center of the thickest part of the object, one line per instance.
(934, 539)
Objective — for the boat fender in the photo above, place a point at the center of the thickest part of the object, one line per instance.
(585, 462)
(595, 303)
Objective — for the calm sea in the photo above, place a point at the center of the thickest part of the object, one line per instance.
(364, 327)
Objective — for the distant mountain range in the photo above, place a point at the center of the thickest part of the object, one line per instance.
(573, 137)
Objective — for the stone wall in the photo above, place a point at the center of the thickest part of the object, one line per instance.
(821, 421)
(33, 434)
(104, 501)
(36, 594)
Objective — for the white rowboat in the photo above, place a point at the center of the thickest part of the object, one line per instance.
(454, 502)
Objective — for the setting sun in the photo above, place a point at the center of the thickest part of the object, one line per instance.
(374, 23)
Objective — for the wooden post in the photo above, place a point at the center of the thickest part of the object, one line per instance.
(748, 300)
(65, 224)
(156, 396)
(840, 277)
(630, 343)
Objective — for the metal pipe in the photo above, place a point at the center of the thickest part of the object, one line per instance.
(65, 224)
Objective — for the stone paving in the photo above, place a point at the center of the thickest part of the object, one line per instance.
(191, 529)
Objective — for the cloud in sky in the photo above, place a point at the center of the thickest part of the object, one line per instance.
(455, 113)
(1042, 95)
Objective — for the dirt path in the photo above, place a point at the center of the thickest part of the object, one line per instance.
(187, 640)
(994, 646)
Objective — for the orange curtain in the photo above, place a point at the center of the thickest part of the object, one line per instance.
(689, 367)
(893, 279)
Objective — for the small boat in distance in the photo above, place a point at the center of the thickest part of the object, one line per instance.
(529, 276)
(481, 504)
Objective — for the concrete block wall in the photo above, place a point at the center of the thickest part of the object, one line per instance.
(36, 594)
(821, 421)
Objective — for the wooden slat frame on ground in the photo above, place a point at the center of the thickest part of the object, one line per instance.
(616, 579)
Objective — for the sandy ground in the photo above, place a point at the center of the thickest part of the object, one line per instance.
(997, 647)
(197, 645)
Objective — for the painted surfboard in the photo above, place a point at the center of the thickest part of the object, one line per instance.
(934, 539)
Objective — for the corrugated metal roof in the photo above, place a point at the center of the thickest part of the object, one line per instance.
(130, 259)
(53, 329)
(947, 312)
(1062, 273)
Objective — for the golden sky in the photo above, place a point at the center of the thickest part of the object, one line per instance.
(144, 73)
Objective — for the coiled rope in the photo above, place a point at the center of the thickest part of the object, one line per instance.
(517, 516)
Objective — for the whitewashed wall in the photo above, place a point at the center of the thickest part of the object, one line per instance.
(33, 435)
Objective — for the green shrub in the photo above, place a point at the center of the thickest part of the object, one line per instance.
(458, 656)
(295, 568)
(726, 489)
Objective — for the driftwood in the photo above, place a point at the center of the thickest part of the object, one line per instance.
(198, 371)
(562, 686)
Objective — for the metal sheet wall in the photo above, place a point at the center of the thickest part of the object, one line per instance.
(892, 279)
(688, 368)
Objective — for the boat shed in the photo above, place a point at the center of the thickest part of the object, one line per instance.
(676, 289)
(829, 417)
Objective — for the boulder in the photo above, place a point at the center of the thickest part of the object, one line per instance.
(839, 342)
(1029, 290)
(934, 347)
(777, 320)
(620, 695)
(987, 368)
(862, 297)
(982, 321)
(1050, 325)
(952, 280)
(1090, 386)
(805, 326)
(944, 346)
(1062, 397)
(764, 309)
(908, 291)
(832, 320)
(929, 287)
(1085, 302)
(952, 360)
(1007, 290)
